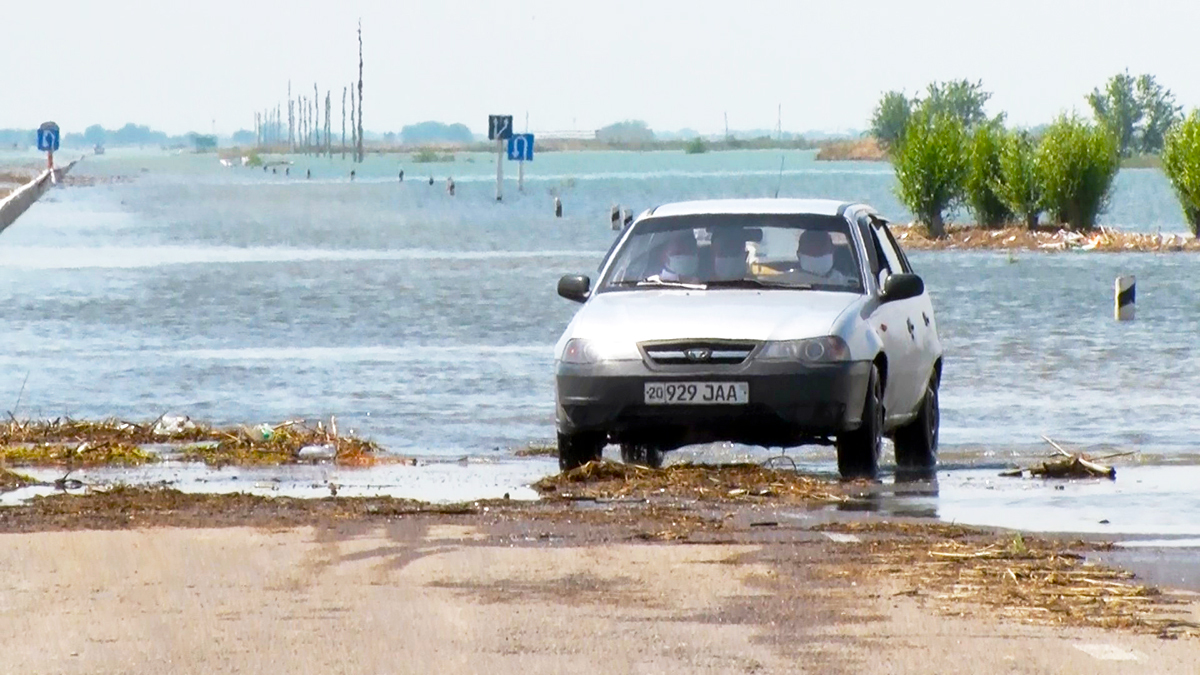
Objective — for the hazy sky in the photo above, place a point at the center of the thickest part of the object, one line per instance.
(178, 66)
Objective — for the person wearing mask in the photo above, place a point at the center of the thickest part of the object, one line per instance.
(678, 260)
(815, 260)
(729, 254)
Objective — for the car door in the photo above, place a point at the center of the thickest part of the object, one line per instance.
(894, 323)
(929, 345)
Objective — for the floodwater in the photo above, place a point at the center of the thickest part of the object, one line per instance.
(426, 321)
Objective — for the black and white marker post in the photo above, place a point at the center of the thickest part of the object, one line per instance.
(1124, 297)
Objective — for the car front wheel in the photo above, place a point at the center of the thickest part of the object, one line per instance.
(575, 450)
(858, 450)
(917, 441)
(644, 455)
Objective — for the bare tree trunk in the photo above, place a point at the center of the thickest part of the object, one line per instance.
(328, 145)
(360, 88)
(291, 120)
(937, 226)
(343, 123)
(353, 128)
(257, 132)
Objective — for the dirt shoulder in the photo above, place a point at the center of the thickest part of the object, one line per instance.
(123, 582)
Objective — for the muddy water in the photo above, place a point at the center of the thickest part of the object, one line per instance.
(426, 322)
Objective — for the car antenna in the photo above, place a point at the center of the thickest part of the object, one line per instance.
(780, 183)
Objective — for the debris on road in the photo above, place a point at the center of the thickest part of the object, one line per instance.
(612, 480)
(1075, 465)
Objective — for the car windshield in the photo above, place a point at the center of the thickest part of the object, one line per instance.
(715, 251)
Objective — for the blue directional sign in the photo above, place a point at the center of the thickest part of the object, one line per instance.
(47, 137)
(520, 147)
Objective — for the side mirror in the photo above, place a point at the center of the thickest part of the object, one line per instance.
(902, 287)
(574, 287)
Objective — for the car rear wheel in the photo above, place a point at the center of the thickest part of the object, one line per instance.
(643, 455)
(858, 450)
(917, 441)
(575, 450)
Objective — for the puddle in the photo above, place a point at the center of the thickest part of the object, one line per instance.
(434, 482)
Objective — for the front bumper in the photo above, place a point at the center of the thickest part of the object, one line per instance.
(790, 403)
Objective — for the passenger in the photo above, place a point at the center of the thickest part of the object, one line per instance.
(815, 259)
(401, 175)
(729, 253)
(450, 186)
(678, 259)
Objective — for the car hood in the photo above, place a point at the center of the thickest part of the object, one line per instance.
(731, 314)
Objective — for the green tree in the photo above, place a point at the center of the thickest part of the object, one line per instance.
(1181, 163)
(1137, 111)
(962, 99)
(890, 118)
(1075, 164)
(1159, 113)
(696, 146)
(1017, 183)
(931, 168)
(984, 160)
(629, 131)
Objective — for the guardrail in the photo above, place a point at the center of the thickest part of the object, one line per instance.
(17, 203)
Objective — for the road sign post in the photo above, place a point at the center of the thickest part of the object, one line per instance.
(520, 150)
(47, 139)
(499, 130)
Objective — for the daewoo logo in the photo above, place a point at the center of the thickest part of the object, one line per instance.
(698, 354)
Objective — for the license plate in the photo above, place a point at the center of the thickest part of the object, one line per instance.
(697, 393)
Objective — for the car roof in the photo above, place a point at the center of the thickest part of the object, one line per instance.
(818, 207)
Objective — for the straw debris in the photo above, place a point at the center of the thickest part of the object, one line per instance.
(284, 443)
(67, 442)
(537, 450)
(730, 482)
(12, 481)
(103, 453)
(1104, 239)
(1022, 578)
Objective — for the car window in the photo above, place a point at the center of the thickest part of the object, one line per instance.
(737, 251)
(894, 263)
(907, 267)
(874, 254)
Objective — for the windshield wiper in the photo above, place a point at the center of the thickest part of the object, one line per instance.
(658, 282)
(758, 283)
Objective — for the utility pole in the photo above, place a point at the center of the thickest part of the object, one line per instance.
(360, 105)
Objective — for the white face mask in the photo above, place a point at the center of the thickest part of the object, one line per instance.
(729, 267)
(682, 264)
(820, 265)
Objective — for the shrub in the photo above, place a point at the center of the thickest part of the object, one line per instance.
(1075, 164)
(1017, 185)
(931, 168)
(890, 118)
(984, 158)
(426, 156)
(1181, 163)
(696, 146)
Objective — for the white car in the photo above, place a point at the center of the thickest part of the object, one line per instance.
(771, 322)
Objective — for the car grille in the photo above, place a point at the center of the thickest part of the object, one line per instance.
(696, 353)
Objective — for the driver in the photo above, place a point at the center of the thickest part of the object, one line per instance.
(678, 258)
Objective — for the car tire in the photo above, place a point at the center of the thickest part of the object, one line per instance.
(858, 450)
(642, 455)
(917, 441)
(575, 450)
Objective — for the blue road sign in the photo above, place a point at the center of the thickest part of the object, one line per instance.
(520, 147)
(47, 137)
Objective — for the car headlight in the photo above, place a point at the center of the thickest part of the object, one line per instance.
(585, 352)
(828, 349)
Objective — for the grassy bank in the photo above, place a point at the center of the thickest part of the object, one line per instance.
(858, 149)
